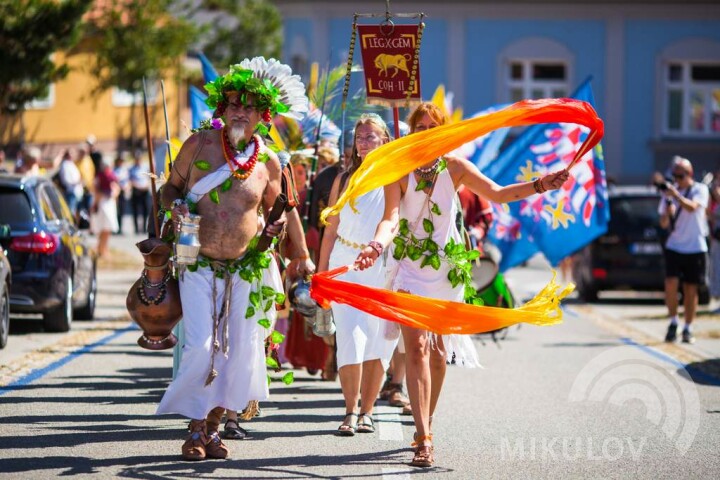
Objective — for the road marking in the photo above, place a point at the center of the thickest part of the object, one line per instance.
(668, 352)
(39, 373)
(389, 425)
(694, 372)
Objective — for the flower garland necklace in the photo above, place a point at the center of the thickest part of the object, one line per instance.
(240, 170)
(428, 173)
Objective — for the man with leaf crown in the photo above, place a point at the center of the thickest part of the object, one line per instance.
(227, 175)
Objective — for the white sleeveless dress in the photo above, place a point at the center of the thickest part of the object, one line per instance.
(360, 336)
(407, 275)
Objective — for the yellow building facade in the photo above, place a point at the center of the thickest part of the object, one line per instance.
(70, 114)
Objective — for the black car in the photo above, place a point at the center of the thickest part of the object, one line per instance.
(5, 278)
(630, 254)
(53, 266)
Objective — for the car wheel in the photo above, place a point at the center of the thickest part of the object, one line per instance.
(587, 293)
(4, 315)
(60, 318)
(87, 312)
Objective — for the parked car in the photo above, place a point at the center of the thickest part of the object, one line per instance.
(53, 265)
(5, 278)
(630, 254)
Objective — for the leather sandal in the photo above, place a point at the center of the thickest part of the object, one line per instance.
(194, 446)
(233, 430)
(423, 452)
(366, 424)
(398, 399)
(348, 427)
(215, 448)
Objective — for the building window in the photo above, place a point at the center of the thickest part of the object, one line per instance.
(123, 98)
(536, 79)
(43, 103)
(692, 99)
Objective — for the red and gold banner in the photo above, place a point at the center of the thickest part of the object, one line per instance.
(391, 63)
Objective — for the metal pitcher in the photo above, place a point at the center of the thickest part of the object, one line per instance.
(324, 324)
(299, 296)
(187, 246)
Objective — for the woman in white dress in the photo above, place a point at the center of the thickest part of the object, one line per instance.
(421, 209)
(363, 351)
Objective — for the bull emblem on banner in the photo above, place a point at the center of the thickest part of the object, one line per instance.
(384, 61)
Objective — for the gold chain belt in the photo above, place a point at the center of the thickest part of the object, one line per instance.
(348, 243)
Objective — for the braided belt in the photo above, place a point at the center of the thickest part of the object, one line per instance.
(348, 243)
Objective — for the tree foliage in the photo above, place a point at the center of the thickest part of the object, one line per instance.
(135, 39)
(247, 29)
(32, 30)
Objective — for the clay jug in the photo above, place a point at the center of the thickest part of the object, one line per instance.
(154, 300)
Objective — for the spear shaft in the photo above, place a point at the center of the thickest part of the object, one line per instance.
(167, 126)
(153, 190)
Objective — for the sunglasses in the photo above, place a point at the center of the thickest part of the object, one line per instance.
(679, 175)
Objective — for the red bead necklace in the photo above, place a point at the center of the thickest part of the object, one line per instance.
(241, 171)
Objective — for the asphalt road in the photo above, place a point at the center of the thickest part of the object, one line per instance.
(597, 396)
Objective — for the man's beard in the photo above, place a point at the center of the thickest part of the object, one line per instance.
(236, 133)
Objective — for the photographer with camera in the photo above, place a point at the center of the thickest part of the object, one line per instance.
(683, 213)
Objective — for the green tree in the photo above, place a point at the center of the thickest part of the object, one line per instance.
(249, 29)
(133, 39)
(31, 31)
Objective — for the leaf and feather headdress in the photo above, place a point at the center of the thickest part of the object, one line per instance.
(275, 87)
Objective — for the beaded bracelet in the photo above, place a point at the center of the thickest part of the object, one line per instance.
(377, 246)
(538, 186)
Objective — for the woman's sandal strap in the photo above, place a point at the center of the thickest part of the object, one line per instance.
(423, 457)
(350, 427)
(418, 439)
(363, 425)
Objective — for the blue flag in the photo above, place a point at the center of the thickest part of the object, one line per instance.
(198, 108)
(209, 72)
(556, 223)
(483, 150)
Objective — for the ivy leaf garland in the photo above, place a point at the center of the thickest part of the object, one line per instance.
(422, 185)
(454, 253)
(203, 165)
(262, 298)
(428, 226)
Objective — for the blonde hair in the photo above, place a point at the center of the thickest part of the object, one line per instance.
(299, 159)
(328, 155)
(374, 120)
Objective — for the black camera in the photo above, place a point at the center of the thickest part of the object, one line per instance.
(660, 181)
(662, 186)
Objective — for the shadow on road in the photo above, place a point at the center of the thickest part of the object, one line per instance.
(706, 372)
(171, 466)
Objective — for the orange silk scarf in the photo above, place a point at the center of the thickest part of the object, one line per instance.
(439, 316)
(392, 161)
(398, 158)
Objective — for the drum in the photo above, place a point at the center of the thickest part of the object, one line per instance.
(497, 293)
